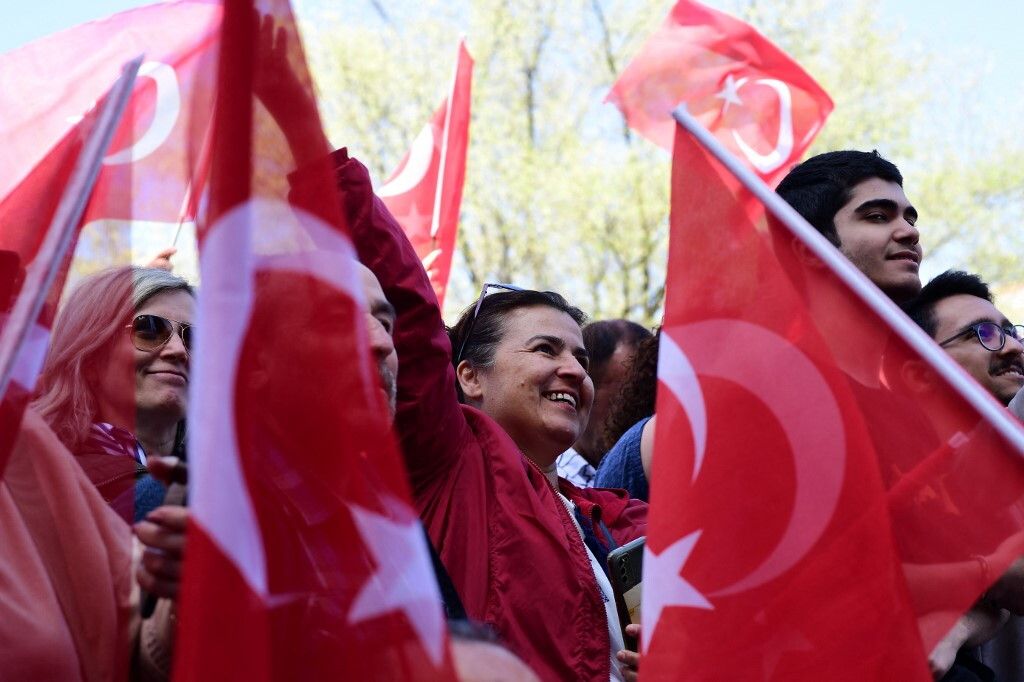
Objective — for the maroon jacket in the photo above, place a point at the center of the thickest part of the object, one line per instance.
(511, 548)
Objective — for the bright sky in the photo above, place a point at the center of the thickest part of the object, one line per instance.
(988, 30)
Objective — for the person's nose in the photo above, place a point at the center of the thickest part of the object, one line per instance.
(905, 232)
(381, 343)
(1011, 347)
(175, 347)
(570, 367)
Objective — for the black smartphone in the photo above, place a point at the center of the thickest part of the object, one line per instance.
(625, 571)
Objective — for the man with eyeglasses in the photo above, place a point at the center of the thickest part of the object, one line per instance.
(957, 310)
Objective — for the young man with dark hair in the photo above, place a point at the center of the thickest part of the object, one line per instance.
(856, 200)
(611, 345)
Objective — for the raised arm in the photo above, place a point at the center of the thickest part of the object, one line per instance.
(429, 420)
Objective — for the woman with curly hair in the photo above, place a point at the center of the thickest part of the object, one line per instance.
(630, 430)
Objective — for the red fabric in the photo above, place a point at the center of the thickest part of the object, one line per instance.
(66, 570)
(706, 59)
(513, 553)
(48, 112)
(308, 560)
(825, 529)
(425, 191)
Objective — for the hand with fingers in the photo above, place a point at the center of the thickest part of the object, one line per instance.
(629, 661)
(168, 470)
(162, 260)
(162, 534)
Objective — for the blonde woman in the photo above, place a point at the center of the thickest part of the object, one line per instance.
(114, 386)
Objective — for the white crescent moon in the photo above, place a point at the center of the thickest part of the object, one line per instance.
(766, 163)
(421, 154)
(221, 501)
(721, 348)
(676, 372)
(165, 114)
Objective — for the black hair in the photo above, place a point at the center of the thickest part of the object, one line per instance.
(921, 308)
(635, 400)
(602, 337)
(823, 184)
(487, 330)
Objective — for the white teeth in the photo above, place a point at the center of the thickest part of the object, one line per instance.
(561, 397)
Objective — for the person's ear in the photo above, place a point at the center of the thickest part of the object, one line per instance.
(469, 381)
(807, 259)
(917, 376)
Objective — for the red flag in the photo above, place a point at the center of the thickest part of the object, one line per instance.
(759, 102)
(829, 491)
(148, 173)
(425, 191)
(46, 107)
(306, 559)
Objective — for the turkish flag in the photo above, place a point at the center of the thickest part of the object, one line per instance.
(306, 559)
(762, 105)
(48, 103)
(425, 191)
(149, 171)
(825, 502)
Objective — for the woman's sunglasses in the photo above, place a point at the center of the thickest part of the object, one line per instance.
(151, 332)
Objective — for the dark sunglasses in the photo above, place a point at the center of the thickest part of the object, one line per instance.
(152, 332)
(476, 313)
(990, 334)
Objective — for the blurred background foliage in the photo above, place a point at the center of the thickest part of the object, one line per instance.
(561, 195)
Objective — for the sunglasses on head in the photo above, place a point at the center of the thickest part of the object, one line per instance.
(152, 332)
(476, 313)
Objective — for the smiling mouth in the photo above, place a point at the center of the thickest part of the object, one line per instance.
(908, 256)
(1014, 371)
(561, 397)
(171, 373)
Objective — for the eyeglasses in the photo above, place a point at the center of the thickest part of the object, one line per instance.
(476, 312)
(990, 334)
(151, 332)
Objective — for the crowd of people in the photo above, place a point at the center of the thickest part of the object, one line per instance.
(527, 435)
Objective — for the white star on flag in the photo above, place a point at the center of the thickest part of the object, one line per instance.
(663, 586)
(729, 92)
(404, 580)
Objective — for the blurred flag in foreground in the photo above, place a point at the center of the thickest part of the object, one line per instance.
(149, 180)
(425, 191)
(50, 96)
(830, 491)
(306, 559)
(759, 102)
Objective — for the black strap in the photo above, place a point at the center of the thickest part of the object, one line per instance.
(453, 608)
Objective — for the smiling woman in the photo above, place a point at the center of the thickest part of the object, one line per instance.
(114, 386)
(480, 433)
(524, 364)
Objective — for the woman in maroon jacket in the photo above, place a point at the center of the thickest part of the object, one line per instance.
(524, 548)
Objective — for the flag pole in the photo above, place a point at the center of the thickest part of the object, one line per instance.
(435, 223)
(60, 235)
(866, 291)
(189, 202)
